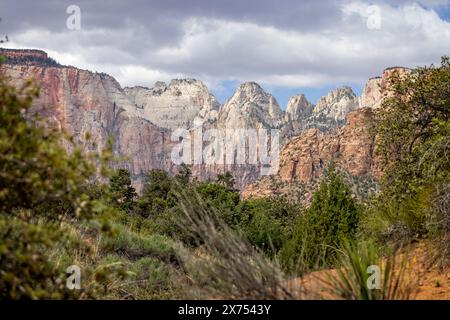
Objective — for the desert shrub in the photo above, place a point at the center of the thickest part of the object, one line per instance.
(331, 219)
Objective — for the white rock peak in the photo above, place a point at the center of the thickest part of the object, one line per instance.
(298, 107)
(174, 105)
(336, 104)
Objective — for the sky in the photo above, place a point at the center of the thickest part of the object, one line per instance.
(287, 46)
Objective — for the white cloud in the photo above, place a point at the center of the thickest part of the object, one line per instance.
(215, 49)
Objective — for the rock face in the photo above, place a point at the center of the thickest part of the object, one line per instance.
(298, 108)
(82, 102)
(376, 88)
(304, 158)
(250, 107)
(351, 148)
(142, 120)
(175, 105)
(336, 104)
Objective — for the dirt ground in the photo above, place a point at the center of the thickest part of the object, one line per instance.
(428, 281)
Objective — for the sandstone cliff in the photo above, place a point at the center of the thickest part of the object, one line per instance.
(82, 102)
(141, 120)
(304, 158)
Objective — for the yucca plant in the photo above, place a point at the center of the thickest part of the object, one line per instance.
(364, 275)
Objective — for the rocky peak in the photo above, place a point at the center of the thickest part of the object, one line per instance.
(251, 106)
(376, 89)
(298, 107)
(336, 104)
(174, 105)
(159, 87)
(249, 91)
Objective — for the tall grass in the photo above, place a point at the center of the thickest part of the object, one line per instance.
(225, 265)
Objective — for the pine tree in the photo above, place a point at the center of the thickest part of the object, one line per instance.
(122, 193)
(331, 219)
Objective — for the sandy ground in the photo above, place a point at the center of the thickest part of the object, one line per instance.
(428, 282)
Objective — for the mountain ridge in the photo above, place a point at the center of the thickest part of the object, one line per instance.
(142, 120)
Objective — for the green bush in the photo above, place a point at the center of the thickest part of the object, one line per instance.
(40, 186)
(413, 134)
(331, 219)
(268, 222)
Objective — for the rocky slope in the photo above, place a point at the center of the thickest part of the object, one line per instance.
(141, 120)
(351, 147)
(304, 158)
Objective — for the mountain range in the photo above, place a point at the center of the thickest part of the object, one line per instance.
(142, 120)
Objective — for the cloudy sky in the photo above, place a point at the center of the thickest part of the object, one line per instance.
(288, 47)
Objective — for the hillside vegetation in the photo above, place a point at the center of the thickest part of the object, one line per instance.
(181, 238)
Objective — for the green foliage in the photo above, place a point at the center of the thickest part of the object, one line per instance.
(223, 199)
(155, 194)
(40, 186)
(25, 271)
(331, 219)
(184, 175)
(413, 134)
(226, 179)
(267, 223)
(121, 191)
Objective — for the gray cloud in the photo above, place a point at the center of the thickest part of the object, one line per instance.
(286, 43)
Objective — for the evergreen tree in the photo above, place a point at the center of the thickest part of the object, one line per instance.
(122, 193)
(331, 219)
(184, 174)
(155, 193)
(226, 180)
